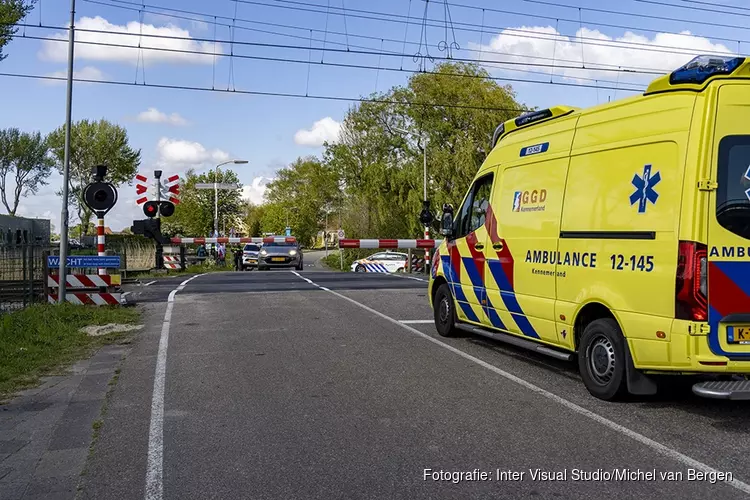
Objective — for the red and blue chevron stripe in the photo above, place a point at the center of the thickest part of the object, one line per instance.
(502, 271)
(729, 293)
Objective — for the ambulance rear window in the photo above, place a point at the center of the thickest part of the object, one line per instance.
(733, 193)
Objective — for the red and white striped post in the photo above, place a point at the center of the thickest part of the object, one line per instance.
(426, 250)
(100, 243)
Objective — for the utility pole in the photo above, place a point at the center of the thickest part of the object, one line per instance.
(66, 162)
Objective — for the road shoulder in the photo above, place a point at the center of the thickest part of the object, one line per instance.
(46, 432)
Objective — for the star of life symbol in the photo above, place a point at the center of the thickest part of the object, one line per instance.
(747, 176)
(644, 188)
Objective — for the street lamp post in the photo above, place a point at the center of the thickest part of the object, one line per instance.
(216, 191)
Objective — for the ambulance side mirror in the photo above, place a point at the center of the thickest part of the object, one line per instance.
(447, 224)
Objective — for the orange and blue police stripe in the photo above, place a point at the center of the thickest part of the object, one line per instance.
(729, 293)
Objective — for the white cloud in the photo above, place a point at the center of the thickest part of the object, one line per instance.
(181, 155)
(256, 192)
(153, 115)
(664, 52)
(325, 130)
(85, 73)
(127, 38)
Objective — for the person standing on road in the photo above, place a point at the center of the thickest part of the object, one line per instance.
(238, 259)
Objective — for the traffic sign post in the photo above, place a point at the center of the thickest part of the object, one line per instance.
(341, 235)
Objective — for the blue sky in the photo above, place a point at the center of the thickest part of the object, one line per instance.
(179, 129)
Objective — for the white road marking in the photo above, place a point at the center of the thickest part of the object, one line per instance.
(417, 321)
(155, 463)
(646, 441)
(149, 283)
(300, 276)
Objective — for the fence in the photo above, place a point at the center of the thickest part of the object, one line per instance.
(22, 276)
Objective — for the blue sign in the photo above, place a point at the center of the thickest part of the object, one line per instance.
(535, 149)
(288, 231)
(644, 188)
(109, 261)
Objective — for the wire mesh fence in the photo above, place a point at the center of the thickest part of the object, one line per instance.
(22, 276)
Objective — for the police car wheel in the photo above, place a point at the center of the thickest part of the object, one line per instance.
(445, 312)
(601, 360)
(360, 268)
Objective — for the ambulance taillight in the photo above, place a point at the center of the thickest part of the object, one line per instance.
(692, 282)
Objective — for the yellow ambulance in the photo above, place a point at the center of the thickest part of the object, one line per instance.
(617, 235)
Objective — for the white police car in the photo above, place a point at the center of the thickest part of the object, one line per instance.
(381, 262)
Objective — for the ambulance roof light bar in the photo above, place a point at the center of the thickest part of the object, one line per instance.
(704, 67)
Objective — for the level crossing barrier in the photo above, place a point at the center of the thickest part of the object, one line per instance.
(387, 243)
(414, 263)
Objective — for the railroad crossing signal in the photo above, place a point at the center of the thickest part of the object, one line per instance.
(167, 190)
(163, 194)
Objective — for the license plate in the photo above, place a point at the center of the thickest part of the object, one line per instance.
(738, 334)
(278, 259)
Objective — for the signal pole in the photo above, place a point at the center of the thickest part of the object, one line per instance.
(159, 247)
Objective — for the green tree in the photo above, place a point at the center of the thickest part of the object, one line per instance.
(79, 230)
(24, 158)
(254, 219)
(11, 12)
(306, 189)
(194, 215)
(94, 143)
(382, 168)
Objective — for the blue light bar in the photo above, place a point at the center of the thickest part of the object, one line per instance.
(702, 68)
(500, 130)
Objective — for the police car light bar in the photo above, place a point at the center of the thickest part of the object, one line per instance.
(702, 68)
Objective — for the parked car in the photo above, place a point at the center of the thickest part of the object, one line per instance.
(280, 255)
(250, 256)
(382, 262)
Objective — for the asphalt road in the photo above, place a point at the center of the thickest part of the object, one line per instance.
(285, 385)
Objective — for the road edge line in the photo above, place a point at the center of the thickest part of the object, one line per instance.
(636, 436)
(155, 460)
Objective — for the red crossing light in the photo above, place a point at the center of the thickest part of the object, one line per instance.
(150, 209)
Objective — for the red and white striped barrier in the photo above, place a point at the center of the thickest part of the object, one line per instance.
(388, 243)
(171, 262)
(84, 280)
(96, 299)
(225, 240)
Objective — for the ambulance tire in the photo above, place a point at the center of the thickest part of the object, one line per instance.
(601, 360)
(444, 310)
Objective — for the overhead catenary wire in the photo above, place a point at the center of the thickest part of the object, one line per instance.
(702, 9)
(521, 33)
(469, 27)
(117, 4)
(717, 4)
(329, 64)
(267, 94)
(639, 15)
(593, 23)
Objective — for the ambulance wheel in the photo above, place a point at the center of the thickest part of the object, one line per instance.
(444, 309)
(601, 360)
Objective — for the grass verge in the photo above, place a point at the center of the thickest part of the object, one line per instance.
(333, 260)
(36, 340)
